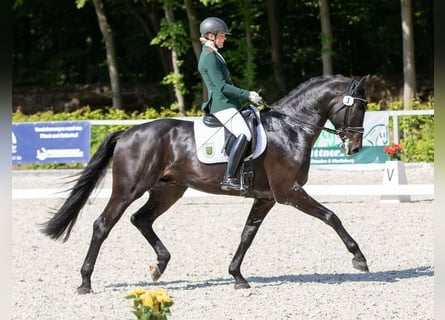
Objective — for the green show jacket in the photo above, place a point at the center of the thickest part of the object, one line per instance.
(222, 93)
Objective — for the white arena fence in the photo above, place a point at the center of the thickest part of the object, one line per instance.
(401, 113)
(313, 190)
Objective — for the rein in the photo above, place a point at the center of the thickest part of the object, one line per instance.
(348, 101)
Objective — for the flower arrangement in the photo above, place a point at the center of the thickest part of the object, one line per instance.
(151, 304)
(394, 151)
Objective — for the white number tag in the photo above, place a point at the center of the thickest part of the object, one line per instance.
(348, 101)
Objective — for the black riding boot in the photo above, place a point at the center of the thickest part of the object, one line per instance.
(237, 152)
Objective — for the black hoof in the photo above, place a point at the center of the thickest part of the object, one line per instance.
(360, 265)
(83, 290)
(242, 285)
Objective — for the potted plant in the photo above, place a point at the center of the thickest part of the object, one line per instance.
(394, 152)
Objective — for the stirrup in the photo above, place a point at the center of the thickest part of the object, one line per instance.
(231, 184)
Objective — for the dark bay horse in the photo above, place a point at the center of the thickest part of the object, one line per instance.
(160, 157)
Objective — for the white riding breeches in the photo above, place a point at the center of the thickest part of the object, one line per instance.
(234, 122)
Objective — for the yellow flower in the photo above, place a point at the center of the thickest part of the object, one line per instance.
(164, 298)
(137, 291)
(160, 291)
(153, 303)
(147, 299)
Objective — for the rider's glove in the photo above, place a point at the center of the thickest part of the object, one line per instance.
(255, 98)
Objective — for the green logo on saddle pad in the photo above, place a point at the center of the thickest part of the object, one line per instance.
(208, 150)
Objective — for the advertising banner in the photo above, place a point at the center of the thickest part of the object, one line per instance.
(327, 148)
(51, 142)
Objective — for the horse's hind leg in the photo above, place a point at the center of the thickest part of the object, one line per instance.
(162, 197)
(260, 209)
(101, 228)
(302, 201)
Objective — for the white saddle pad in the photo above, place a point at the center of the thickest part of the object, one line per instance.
(210, 143)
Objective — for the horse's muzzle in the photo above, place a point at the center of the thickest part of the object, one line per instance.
(352, 146)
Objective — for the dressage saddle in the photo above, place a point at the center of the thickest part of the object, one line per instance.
(251, 120)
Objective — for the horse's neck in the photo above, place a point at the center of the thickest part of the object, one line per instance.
(302, 112)
(307, 127)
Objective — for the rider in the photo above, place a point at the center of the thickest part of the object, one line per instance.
(223, 96)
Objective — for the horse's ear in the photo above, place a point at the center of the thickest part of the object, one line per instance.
(363, 82)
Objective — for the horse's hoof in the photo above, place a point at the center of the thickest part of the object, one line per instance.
(83, 290)
(155, 272)
(360, 265)
(242, 285)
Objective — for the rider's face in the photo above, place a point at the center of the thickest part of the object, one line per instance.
(220, 38)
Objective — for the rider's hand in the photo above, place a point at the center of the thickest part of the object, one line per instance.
(255, 98)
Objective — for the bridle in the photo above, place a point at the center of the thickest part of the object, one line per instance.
(348, 102)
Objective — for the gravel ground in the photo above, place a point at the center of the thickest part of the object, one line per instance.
(297, 266)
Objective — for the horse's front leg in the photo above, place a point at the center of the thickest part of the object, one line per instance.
(304, 202)
(257, 214)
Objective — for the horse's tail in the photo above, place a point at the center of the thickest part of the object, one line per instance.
(64, 219)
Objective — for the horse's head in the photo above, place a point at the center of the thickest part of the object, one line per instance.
(347, 114)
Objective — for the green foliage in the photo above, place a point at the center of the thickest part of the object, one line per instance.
(418, 135)
(210, 2)
(372, 106)
(17, 3)
(172, 36)
(47, 50)
(80, 3)
(177, 80)
(242, 70)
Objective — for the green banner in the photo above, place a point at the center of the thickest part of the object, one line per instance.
(327, 148)
(336, 155)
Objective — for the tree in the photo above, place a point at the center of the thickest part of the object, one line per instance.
(193, 23)
(173, 36)
(409, 70)
(61, 54)
(326, 37)
(276, 40)
(250, 70)
(107, 34)
(145, 13)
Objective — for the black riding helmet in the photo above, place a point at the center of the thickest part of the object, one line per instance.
(213, 25)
